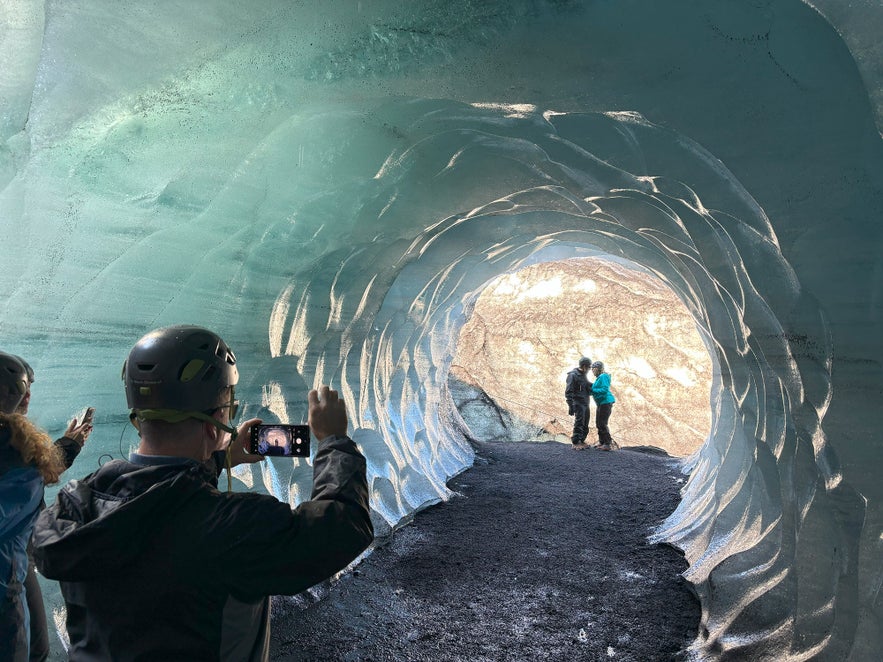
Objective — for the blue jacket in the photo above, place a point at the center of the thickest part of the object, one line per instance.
(21, 495)
(601, 390)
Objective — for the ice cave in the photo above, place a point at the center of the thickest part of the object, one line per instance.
(331, 186)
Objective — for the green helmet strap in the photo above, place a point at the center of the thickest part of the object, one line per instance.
(176, 416)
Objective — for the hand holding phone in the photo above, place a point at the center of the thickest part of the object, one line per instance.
(80, 432)
(279, 440)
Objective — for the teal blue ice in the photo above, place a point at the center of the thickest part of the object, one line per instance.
(331, 188)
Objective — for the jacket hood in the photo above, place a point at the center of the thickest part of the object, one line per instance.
(99, 525)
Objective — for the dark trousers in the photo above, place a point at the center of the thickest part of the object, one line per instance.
(39, 627)
(580, 422)
(601, 418)
(13, 615)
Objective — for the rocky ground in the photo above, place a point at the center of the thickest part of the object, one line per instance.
(542, 556)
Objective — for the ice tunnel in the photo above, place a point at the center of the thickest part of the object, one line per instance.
(331, 190)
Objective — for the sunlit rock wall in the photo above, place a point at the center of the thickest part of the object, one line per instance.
(331, 190)
(529, 328)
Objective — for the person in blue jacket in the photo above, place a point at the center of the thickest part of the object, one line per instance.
(69, 445)
(28, 461)
(604, 399)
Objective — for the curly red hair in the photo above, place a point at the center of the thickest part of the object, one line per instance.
(35, 446)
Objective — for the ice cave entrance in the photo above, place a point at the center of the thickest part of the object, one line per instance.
(528, 329)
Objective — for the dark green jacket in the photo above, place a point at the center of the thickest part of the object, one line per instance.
(147, 555)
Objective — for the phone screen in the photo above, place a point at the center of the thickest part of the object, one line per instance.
(280, 440)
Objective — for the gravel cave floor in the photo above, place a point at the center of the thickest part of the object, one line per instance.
(542, 554)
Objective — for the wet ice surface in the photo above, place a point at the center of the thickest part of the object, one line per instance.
(541, 556)
(322, 189)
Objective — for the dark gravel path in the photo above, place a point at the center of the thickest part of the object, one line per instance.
(543, 557)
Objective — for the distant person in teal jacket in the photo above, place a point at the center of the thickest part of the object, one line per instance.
(604, 399)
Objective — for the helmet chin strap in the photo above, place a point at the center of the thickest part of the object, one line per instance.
(176, 416)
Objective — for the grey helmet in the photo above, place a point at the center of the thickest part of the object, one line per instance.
(28, 368)
(599, 365)
(585, 361)
(180, 368)
(14, 377)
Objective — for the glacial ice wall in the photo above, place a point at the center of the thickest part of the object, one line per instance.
(332, 190)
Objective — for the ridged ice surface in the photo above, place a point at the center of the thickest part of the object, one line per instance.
(332, 190)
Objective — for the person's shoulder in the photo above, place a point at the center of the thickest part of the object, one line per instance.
(221, 507)
(245, 504)
(9, 457)
(253, 519)
(16, 476)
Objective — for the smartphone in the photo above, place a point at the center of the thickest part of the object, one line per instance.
(88, 416)
(279, 440)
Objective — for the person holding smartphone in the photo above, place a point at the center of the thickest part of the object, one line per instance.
(154, 561)
(69, 445)
(28, 462)
(76, 434)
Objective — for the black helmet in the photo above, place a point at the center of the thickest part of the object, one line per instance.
(182, 368)
(585, 361)
(599, 365)
(13, 376)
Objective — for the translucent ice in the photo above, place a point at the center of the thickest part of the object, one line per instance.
(332, 190)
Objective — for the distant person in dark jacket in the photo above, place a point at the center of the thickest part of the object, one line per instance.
(28, 462)
(577, 394)
(150, 555)
(604, 399)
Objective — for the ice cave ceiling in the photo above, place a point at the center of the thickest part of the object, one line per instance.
(331, 189)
